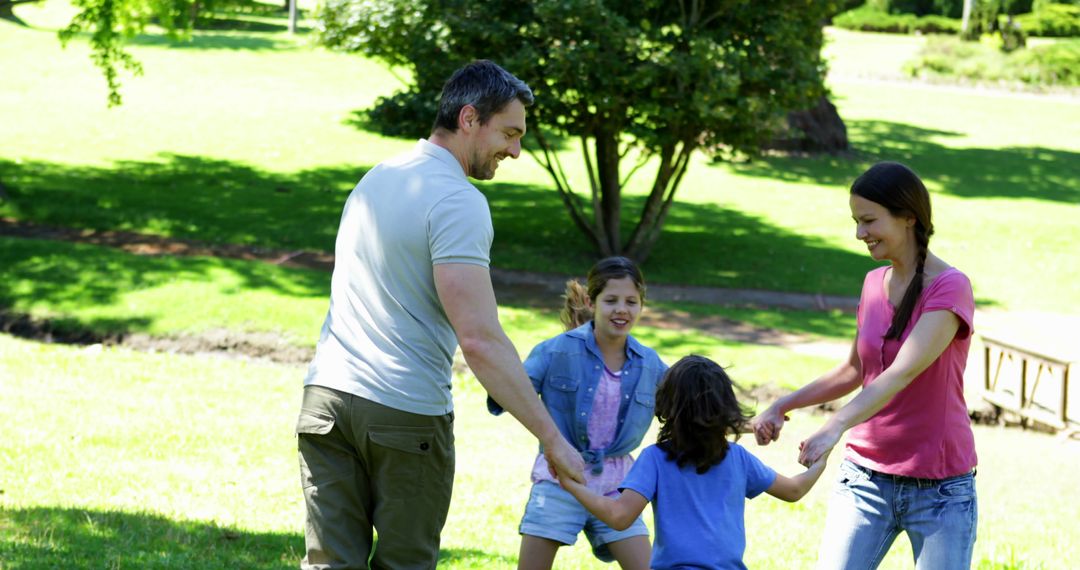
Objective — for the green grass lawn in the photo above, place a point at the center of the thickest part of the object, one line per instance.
(250, 137)
(118, 459)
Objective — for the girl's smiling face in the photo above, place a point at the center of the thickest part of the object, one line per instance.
(617, 308)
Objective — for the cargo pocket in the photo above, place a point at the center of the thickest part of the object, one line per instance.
(313, 422)
(404, 453)
(324, 456)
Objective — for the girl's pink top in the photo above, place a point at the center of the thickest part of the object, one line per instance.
(603, 420)
(924, 431)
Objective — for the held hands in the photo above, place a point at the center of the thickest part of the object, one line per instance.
(564, 461)
(767, 425)
(818, 446)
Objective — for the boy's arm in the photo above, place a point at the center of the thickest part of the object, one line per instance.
(618, 513)
(792, 489)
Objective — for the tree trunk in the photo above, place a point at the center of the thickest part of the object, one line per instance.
(607, 170)
(815, 130)
(7, 10)
(674, 161)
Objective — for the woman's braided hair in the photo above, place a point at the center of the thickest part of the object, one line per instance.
(900, 191)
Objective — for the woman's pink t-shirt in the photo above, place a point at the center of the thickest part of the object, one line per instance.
(924, 430)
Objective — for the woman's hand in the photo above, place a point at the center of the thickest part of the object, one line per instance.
(767, 425)
(819, 445)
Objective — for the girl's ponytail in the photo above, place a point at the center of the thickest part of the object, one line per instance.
(576, 310)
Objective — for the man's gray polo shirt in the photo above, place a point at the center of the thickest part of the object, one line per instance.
(386, 337)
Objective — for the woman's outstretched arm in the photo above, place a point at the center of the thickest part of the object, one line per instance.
(838, 382)
(930, 337)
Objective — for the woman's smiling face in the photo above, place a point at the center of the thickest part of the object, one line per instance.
(886, 236)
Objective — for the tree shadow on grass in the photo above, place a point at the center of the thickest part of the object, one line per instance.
(702, 244)
(1011, 172)
(214, 201)
(239, 24)
(72, 538)
(65, 279)
(224, 202)
(55, 537)
(207, 40)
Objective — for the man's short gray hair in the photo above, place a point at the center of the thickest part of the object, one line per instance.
(485, 86)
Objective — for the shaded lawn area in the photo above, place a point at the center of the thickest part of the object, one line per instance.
(225, 202)
(106, 292)
(1011, 172)
(704, 243)
(251, 137)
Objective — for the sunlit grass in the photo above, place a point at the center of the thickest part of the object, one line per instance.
(250, 137)
(166, 461)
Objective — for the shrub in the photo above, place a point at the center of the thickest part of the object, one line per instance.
(1052, 20)
(867, 19)
(949, 8)
(1051, 65)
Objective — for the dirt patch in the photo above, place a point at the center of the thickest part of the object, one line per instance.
(218, 342)
(533, 290)
(144, 244)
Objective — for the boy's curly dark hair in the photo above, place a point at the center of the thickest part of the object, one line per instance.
(697, 409)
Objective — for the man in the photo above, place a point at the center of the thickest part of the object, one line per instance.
(410, 282)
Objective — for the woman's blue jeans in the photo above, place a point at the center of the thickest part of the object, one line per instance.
(869, 509)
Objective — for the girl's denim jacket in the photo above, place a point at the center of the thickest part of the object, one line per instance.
(565, 371)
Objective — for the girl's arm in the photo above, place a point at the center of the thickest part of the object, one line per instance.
(930, 337)
(792, 489)
(838, 382)
(618, 513)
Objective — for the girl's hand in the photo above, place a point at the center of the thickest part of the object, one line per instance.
(819, 445)
(568, 483)
(767, 425)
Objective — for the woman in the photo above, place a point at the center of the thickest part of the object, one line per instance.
(910, 457)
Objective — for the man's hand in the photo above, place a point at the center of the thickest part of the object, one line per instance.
(564, 460)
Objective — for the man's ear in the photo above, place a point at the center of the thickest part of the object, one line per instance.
(468, 118)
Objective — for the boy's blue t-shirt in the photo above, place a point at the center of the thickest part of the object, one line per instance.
(698, 519)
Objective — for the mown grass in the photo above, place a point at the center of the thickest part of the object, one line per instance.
(250, 137)
(119, 459)
(116, 459)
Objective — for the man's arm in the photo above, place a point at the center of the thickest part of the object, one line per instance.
(469, 301)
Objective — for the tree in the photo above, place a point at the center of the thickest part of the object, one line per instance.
(635, 84)
(111, 22)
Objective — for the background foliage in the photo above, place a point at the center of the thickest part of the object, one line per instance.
(648, 82)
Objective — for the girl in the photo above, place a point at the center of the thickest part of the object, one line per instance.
(911, 453)
(599, 385)
(697, 481)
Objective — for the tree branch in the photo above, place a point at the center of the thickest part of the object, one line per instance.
(594, 185)
(569, 198)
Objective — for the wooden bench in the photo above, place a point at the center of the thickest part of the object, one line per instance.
(1031, 384)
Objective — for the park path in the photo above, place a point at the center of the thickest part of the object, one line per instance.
(1055, 333)
(535, 290)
